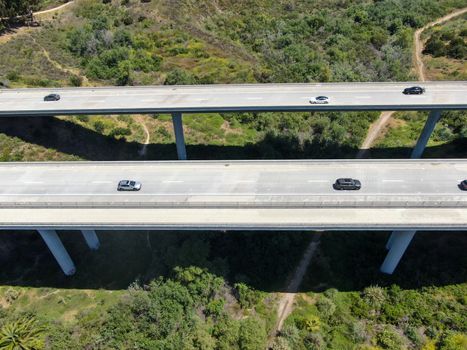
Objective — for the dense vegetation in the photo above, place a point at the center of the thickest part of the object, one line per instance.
(211, 291)
(192, 310)
(448, 41)
(12, 8)
(353, 306)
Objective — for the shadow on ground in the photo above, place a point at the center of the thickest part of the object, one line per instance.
(73, 139)
(264, 260)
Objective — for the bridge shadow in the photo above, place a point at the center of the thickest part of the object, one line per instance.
(264, 260)
(73, 139)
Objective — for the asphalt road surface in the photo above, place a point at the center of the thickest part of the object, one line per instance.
(239, 194)
(219, 98)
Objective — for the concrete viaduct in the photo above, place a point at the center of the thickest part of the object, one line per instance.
(255, 195)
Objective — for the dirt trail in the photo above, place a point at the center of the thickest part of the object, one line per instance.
(10, 34)
(143, 150)
(373, 132)
(56, 64)
(385, 117)
(57, 8)
(287, 299)
(419, 66)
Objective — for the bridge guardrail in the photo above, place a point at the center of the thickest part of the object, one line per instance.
(250, 201)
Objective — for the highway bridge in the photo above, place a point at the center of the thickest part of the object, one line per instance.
(400, 195)
(404, 195)
(232, 98)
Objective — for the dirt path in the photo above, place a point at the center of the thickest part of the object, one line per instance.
(56, 64)
(373, 133)
(286, 303)
(385, 117)
(57, 8)
(143, 150)
(10, 34)
(419, 44)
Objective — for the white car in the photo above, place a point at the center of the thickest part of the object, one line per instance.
(129, 185)
(319, 100)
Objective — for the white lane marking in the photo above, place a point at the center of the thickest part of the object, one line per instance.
(33, 182)
(363, 97)
(389, 180)
(247, 181)
(254, 98)
(318, 181)
(102, 182)
(172, 181)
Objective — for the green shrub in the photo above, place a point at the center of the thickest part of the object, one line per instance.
(388, 338)
(374, 297)
(83, 118)
(119, 131)
(454, 341)
(325, 307)
(99, 126)
(76, 80)
(179, 77)
(246, 296)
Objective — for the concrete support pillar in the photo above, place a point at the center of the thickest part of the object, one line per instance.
(430, 124)
(55, 245)
(179, 137)
(390, 240)
(91, 239)
(400, 242)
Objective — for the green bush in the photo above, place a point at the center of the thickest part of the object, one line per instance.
(325, 307)
(388, 338)
(454, 341)
(246, 296)
(99, 126)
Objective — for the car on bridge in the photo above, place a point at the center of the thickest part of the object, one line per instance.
(319, 100)
(129, 185)
(347, 184)
(52, 97)
(414, 90)
(463, 185)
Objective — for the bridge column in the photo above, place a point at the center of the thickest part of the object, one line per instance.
(91, 239)
(399, 243)
(55, 245)
(390, 240)
(430, 124)
(400, 240)
(179, 137)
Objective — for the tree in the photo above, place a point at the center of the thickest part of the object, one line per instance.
(457, 49)
(23, 334)
(434, 46)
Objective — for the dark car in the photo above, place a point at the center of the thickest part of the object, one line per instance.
(414, 90)
(463, 185)
(52, 97)
(347, 184)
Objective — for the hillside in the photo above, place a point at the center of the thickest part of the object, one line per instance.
(219, 290)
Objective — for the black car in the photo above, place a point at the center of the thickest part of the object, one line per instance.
(414, 90)
(463, 185)
(52, 97)
(347, 184)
